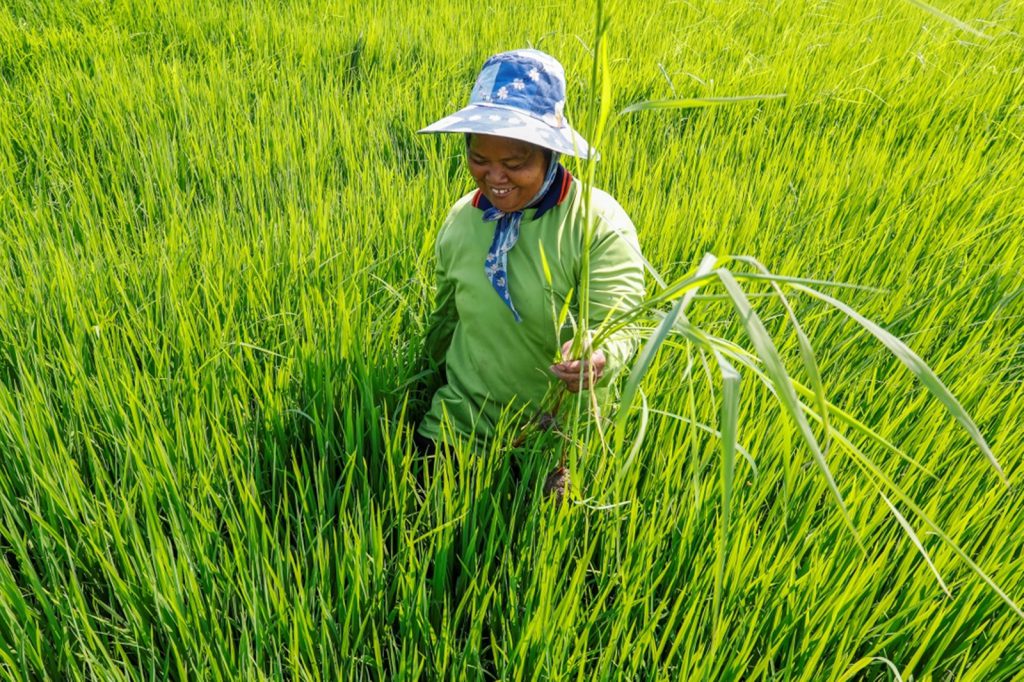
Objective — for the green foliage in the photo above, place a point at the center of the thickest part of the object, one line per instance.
(217, 262)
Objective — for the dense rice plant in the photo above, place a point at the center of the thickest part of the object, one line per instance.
(215, 236)
(765, 361)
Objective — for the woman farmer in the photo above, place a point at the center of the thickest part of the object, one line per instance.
(495, 328)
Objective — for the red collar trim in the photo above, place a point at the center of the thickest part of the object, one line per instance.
(566, 183)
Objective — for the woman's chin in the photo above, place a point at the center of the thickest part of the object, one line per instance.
(507, 202)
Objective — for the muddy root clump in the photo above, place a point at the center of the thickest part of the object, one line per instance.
(557, 484)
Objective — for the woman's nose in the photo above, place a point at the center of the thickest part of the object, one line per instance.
(496, 175)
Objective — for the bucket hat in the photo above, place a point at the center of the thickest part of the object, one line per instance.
(521, 95)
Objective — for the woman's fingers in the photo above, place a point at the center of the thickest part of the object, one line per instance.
(573, 379)
(566, 351)
(570, 377)
(571, 367)
(577, 374)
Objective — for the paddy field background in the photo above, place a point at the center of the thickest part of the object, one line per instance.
(216, 234)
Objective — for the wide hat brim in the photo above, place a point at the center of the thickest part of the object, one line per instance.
(501, 121)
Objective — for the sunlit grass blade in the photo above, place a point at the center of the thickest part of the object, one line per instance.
(693, 281)
(639, 368)
(871, 470)
(691, 405)
(948, 18)
(909, 530)
(753, 364)
(696, 102)
(729, 419)
(854, 671)
(806, 354)
(784, 389)
(641, 433)
(711, 431)
(706, 267)
(876, 476)
(919, 368)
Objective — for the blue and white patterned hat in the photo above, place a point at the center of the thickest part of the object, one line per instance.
(521, 95)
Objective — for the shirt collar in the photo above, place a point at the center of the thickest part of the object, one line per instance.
(555, 195)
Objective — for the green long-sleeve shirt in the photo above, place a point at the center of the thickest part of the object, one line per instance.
(494, 363)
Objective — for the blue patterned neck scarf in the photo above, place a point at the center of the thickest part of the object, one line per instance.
(506, 234)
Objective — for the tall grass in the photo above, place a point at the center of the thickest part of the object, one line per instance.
(217, 228)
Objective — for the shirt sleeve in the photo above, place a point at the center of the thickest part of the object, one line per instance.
(441, 323)
(616, 285)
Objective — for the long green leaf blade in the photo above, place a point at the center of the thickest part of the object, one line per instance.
(915, 364)
(784, 388)
(729, 418)
(695, 102)
(948, 18)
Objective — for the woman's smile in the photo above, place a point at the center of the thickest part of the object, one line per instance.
(503, 198)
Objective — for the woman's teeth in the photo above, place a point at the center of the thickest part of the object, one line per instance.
(501, 192)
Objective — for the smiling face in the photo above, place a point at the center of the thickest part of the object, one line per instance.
(509, 172)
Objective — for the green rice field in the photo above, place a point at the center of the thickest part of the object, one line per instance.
(217, 227)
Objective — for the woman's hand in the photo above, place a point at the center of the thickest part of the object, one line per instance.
(579, 373)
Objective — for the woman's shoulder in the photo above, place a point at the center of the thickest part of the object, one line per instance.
(608, 210)
(460, 210)
(460, 215)
(608, 206)
(466, 201)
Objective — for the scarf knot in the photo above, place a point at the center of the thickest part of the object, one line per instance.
(506, 234)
